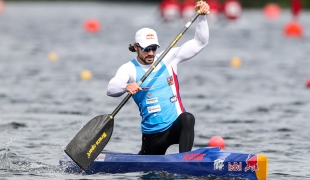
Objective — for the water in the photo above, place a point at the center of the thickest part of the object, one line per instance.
(262, 107)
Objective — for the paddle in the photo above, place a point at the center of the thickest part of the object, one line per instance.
(94, 136)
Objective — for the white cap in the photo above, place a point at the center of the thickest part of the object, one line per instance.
(146, 37)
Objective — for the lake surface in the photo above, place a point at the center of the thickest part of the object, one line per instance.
(261, 107)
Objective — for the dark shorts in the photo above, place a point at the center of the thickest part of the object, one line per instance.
(180, 132)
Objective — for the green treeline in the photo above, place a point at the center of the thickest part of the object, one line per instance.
(245, 3)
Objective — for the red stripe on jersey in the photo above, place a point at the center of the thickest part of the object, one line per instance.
(176, 82)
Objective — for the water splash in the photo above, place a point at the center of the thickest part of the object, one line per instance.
(5, 162)
(11, 162)
(26, 167)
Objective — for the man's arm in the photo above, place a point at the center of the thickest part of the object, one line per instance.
(192, 47)
(117, 85)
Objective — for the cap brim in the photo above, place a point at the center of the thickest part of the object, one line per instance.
(148, 44)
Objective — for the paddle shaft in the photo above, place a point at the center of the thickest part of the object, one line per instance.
(160, 58)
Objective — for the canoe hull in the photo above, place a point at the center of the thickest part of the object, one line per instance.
(200, 162)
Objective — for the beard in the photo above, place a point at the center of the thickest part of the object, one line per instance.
(149, 59)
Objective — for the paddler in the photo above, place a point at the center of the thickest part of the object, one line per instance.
(164, 119)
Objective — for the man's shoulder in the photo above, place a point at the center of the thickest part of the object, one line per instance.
(169, 56)
(172, 50)
(129, 63)
(126, 66)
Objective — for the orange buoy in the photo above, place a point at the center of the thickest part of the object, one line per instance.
(217, 141)
(293, 29)
(272, 11)
(169, 10)
(92, 25)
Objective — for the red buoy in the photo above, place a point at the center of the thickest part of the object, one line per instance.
(217, 141)
(187, 9)
(293, 29)
(169, 10)
(308, 83)
(232, 9)
(272, 11)
(92, 25)
(1, 6)
(296, 7)
(215, 6)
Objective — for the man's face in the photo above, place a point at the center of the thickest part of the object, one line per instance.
(146, 55)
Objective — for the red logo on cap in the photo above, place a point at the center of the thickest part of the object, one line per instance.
(149, 36)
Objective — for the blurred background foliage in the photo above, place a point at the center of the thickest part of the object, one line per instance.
(245, 3)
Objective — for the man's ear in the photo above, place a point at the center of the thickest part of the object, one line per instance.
(135, 46)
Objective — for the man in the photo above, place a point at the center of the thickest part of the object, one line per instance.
(164, 119)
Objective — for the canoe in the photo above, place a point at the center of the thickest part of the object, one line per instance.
(200, 162)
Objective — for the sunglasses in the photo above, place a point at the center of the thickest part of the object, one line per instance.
(149, 48)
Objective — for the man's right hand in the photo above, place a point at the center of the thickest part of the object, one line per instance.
(202, 7)
(133, 88)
